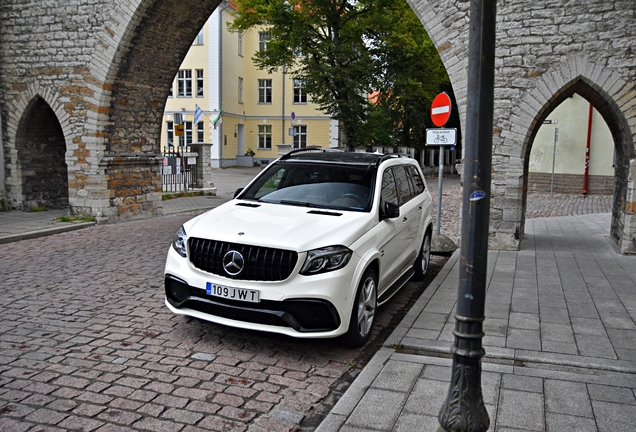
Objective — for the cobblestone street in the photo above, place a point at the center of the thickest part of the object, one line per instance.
(86, 343)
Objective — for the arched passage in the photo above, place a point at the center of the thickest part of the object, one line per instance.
(41, 149)
(622, 143)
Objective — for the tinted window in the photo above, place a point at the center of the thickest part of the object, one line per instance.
(418, 183)
(389, 190)
(403, 186)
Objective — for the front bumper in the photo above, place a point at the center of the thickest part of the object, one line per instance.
(301, 315)
(316, 306)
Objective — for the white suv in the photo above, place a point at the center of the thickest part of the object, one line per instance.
(309, 248)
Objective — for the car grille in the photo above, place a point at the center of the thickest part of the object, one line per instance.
(303, 315)
(260, 263)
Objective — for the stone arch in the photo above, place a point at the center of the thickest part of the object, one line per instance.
(41, 153)
(24, 113)
(447, 24)
(589, 81)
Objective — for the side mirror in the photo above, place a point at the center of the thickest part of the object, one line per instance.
(390, 211)
(238, 191)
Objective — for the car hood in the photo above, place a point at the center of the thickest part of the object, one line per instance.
(280, 226)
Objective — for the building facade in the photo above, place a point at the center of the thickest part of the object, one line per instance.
(249, 115)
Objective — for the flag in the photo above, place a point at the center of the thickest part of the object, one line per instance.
(218, 119)
(198, 114)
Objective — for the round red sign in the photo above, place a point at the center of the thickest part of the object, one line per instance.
(440, 109)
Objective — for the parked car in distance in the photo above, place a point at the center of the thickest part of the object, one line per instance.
(310, 248)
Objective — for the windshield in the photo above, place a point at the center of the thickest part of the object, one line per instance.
(340, 187)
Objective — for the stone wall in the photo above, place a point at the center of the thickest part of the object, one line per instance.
(103, 67)
(570, 184)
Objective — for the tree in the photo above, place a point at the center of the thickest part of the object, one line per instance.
(412, 74)
(343, 50)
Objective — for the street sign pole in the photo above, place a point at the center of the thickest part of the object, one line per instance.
(439, 189)
(440, 113)
(464, 409)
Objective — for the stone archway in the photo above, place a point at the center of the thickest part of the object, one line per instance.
(622, 143)
(41, 150)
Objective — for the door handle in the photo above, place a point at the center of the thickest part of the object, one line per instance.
(404, 220)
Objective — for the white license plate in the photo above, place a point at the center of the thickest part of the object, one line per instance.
(231, 293)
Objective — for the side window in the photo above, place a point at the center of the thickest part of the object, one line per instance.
(418, 183)
(389, 191)
(403, 186)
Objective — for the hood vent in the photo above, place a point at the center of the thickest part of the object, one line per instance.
(244, 204)
(324, 213)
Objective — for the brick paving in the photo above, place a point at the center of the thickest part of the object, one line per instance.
(86, 343)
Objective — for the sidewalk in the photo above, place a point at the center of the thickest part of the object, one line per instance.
(560, 341)
(19, 225)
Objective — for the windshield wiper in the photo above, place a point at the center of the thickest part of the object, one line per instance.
(298, 203)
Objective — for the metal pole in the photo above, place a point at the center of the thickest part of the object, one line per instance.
(464, 409)
(556, 138)
(439, 189)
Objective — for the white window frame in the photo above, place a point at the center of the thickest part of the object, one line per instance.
(184, 83)
(200, 82)
(170, 133)
(300, 137)
(265, 137)
(240, 44)
(187, 132)
(199, 39)
(264, 91)
(201, 131)
(263, 40)
(300, 97)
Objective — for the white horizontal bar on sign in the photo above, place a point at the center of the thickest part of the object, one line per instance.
(441, 137)
(440, 110)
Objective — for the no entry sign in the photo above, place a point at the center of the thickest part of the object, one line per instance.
(440, 109)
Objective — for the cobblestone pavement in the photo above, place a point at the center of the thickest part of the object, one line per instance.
(86, 343)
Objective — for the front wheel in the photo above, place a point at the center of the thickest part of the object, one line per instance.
(363, 313)
(423, 261)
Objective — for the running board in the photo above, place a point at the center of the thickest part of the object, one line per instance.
(386, 295)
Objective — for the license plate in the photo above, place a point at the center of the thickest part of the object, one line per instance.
(231, 293)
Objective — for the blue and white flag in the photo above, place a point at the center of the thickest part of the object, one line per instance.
(198, 114)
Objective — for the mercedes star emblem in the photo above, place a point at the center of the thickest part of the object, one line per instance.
(233, 263)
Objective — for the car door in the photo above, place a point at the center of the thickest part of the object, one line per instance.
(390, 235)
(411, 217)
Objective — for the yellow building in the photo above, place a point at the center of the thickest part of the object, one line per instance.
(255, 112)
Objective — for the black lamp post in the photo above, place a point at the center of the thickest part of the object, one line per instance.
(463, 409)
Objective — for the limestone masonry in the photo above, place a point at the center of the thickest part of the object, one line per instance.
(83, 85)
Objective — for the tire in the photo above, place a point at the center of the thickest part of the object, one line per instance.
(363, 311)
(423, 261)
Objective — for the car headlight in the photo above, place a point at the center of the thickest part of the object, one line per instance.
(179, 242)
(325, 260)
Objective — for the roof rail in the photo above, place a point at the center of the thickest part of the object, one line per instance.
(308, 150)
(389, 156)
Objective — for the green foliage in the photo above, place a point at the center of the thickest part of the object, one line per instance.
(77, 218)
(413, 74)
(36, 209)
(344, 50)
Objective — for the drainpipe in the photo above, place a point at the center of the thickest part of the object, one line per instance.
(586, 172)
(283, 109)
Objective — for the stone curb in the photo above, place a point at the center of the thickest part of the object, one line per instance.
(44, 232)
